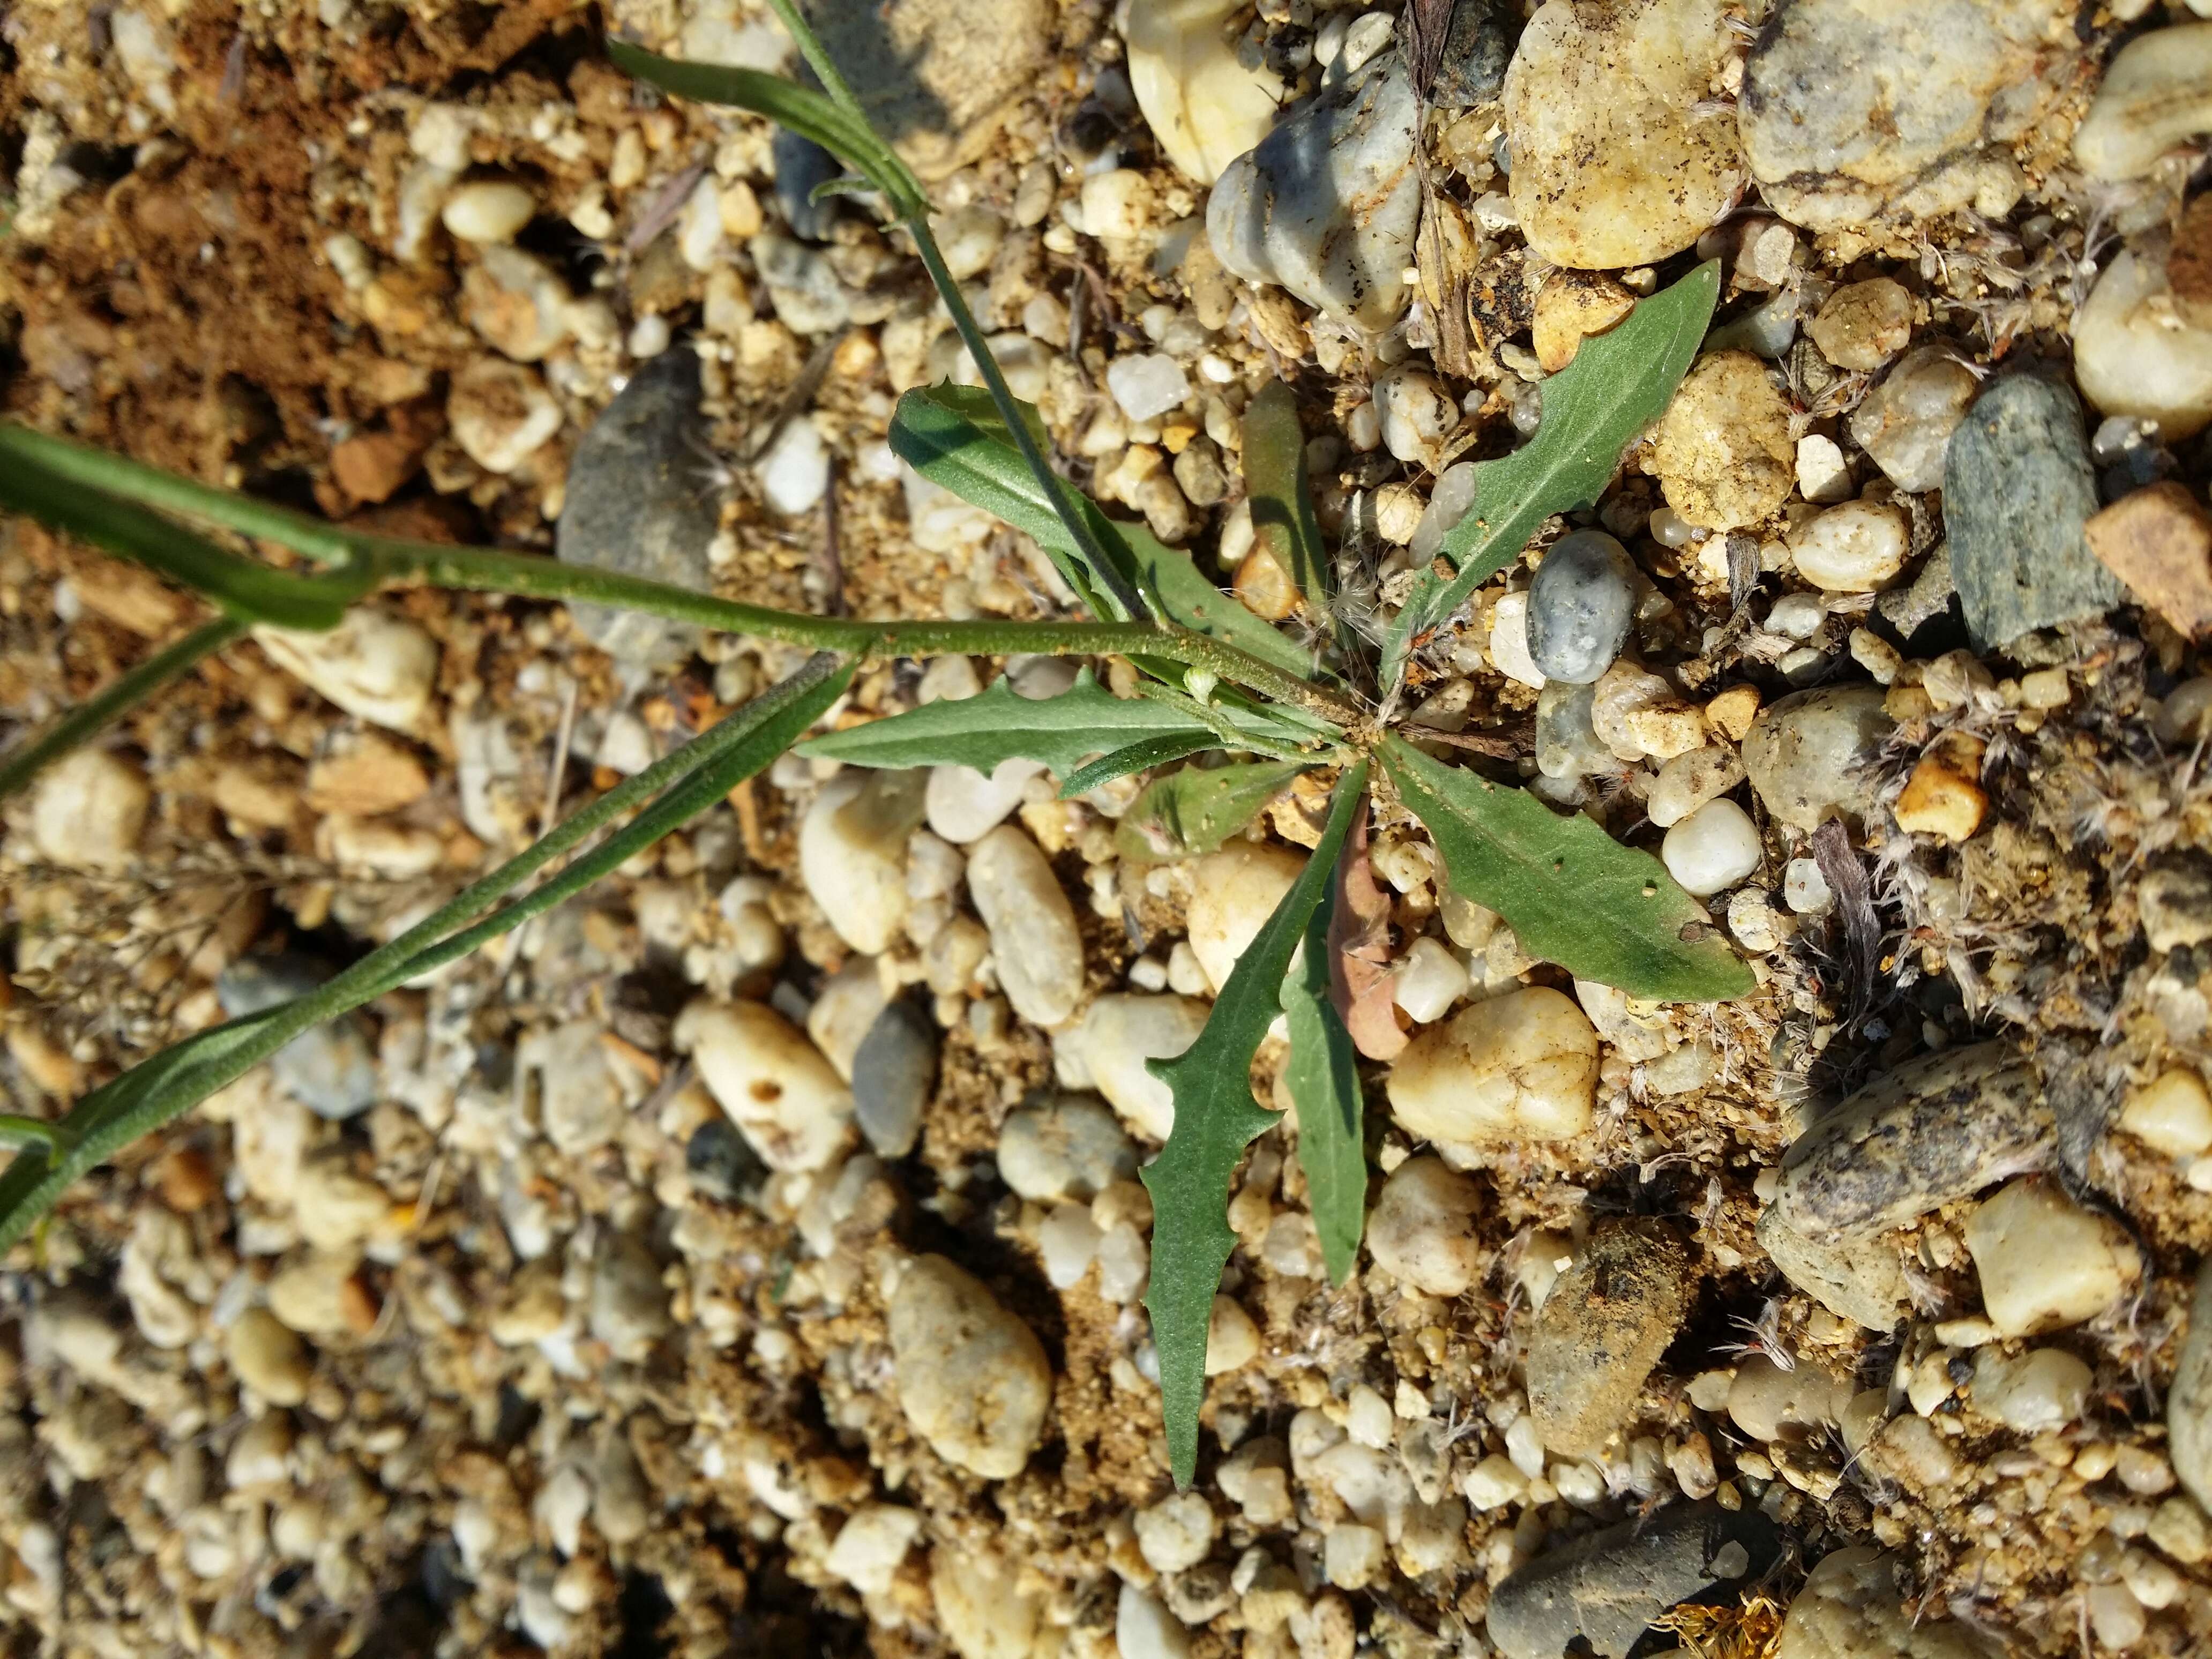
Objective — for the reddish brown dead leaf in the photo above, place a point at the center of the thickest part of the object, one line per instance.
(1360, 980)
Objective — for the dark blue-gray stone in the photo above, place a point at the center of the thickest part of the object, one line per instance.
(2018, 486)
(1580, 606)
(329, 1069)
(1608, 1586)
(720, 1164)
(802, 166)
(894, 1074)
(640, 501)
(1478, 46)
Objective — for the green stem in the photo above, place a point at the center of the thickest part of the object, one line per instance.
(102, 482)
(913, 208)
(32, 756)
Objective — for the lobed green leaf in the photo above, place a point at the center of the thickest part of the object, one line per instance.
(998, 725)
(1573, 894)
(1619, 382)
(1215, 1119)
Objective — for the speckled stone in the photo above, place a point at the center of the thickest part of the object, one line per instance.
(638, 503)
(1608, 1586)
(1580, 606)
(2018, 487)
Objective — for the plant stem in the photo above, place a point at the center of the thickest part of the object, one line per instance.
(32, 756)
(99, 476)
(913, 208)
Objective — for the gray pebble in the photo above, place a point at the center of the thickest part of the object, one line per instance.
(801, 165)
(1602, 1329)
(1580, 606)
(330, 1069)
(2018, 486)
(629, 1305)
(638, 503)
(1326, 205)
(1608, 1586)
(1860, 1282)
(894, 1074)
(721, 1162)
(1936, 1129)
(1071, 1147)
(1808, 754)
(1908, 609)
(1478, 46)
(1926, 85)
(2188, 1407)
(1567, 746)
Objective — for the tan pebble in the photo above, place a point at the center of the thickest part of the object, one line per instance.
(1733, 710)
(2158, 540)
(187, 1181)
(270, 1359)
(1571, 306)
(2172, 1114)
(1942, 798)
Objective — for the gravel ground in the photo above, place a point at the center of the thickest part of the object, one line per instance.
(748, 1258)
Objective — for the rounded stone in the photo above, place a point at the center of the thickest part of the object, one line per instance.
(1522, 1066)
(1713, 849)
(1033, 938)
(1423, 1229)
(1071, 1147)
(1619, 157)
(1580, 606)
(1725, 456)
(972, 1379)
(1806, 755)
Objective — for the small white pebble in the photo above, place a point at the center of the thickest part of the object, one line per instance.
(1368, 1418)
(1822, 473)
(794, 474)
(1805, 890)
(1429, 981)
(488, 211)
(1509, 640)
(648, 336)
(1148, 385)
(1713, 849)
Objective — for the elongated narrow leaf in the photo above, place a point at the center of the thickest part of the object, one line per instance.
(998, 726)
(1188, 596)
(241, 587)
(1148, 751)
(1573, 894)
(1194, 811)
(1275, 476)
(1215, 1119)
(125, 692)
(1619, 383)
(953, 437)
(178, 1078)
(1324, 1078)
